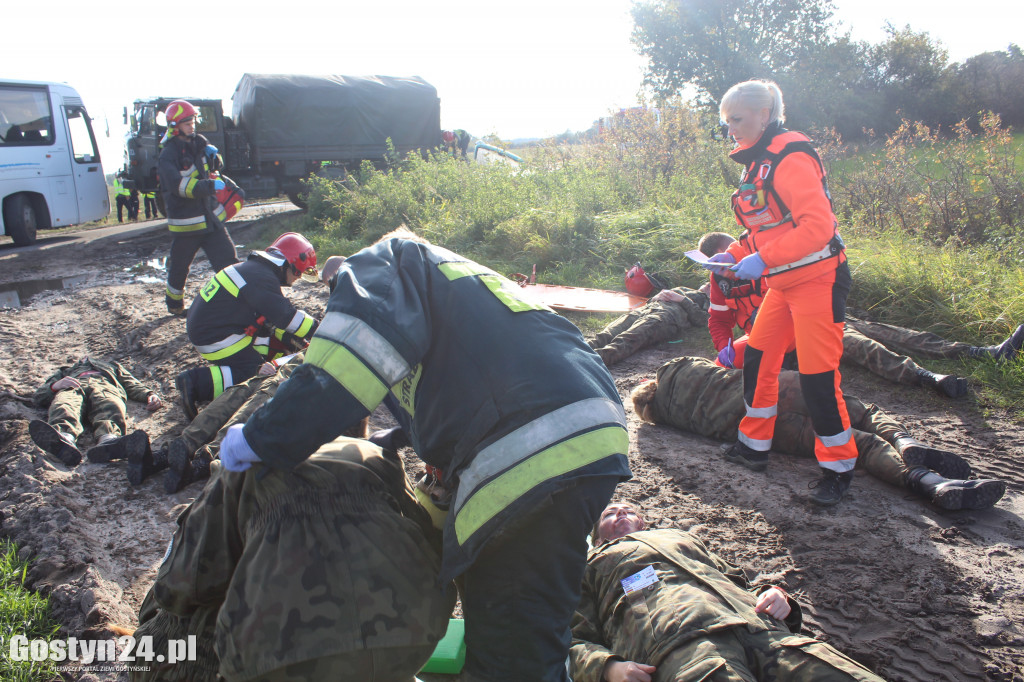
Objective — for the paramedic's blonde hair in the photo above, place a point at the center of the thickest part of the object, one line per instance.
(754, 94)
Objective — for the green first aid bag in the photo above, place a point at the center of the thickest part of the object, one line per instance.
(450, 654)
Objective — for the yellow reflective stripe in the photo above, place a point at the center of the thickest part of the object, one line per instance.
(461, 269)
(307, 324)
(405, 390)
(220, 213)
(222, 353)
(501, 287)
(224, 277)
(186, 224)
(278, 334)
(218, 381)
(547, 464)
(348, 370)
(176, 296)
(366, 342)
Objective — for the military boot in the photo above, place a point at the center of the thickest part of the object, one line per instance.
(1007, 350)
(184, 466)
(739, 453)
(59, 444)
(947, 384)
(831, 487)
(945, 463)
(134, 444)
(952, 494)
(143, 465)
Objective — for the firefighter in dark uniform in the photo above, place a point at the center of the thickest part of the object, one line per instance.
(189, 177)
(503, 396)
(241, 319)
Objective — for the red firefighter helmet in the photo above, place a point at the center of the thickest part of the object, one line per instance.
(177, 111)
(299, 253)
(637, 282)
(448, 136)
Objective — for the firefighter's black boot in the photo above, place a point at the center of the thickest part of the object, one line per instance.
(59, 444)
(134, 444)
(831, 487)
(947, 384)
(188, 393)
(184, 466)
(953, 495)
(740, 453)
(943, 462)
(143, 465)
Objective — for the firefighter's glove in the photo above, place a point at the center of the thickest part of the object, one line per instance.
(235, 453)
(723, 258)
(727, 356)
(751, 267)
(211, 151)
(218, 185)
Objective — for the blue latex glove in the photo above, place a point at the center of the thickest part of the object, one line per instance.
(727, 356)
(211, 151)
(235, 453)
(751, 267)
(218, 185)
(719, 258)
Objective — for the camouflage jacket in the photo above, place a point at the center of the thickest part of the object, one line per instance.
(696, 593)
(331, 557)
(113, 372)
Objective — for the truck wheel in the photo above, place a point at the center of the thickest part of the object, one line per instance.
(298, 199)
(20, 219)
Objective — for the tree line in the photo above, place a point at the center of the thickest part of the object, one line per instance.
(700, 48)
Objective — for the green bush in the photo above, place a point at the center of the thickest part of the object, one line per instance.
(21, 613)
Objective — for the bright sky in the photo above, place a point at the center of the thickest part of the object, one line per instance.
(518, 68)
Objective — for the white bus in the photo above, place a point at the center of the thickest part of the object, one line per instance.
(50, 172)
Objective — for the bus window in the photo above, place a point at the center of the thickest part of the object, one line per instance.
(25, 116)
(83, 143)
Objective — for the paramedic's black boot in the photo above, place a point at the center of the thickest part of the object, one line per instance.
(952, 494)
(739, 453)
(143, 465)
(135, 443)
(943, 462)
(831, 487)
(59, 444)
(188, 393)
(947, 384)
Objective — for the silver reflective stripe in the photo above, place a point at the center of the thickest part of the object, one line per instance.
(185, 221)
(840, 465)
(761, 412)
(235, 276)
(371, 347)
(806, 260)
(788, 218)
(220, 345)
(172, 290)
(841, 438)
(754, 444)
(225, 373)
(534, 437)
(296, 322)
(715, 306)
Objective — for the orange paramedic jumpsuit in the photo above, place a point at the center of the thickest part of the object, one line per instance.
(784, 205)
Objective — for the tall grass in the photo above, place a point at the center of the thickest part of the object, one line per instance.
(21, 613)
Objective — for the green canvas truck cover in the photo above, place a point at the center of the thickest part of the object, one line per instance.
(347, 117)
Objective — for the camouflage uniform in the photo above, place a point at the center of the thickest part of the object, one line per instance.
(654, 323)
(920, 343)
(100, 400)
(876, 358)
(698, 396)
(328, 571)
(696, 622)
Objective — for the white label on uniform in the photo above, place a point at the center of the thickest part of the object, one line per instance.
(639, 581)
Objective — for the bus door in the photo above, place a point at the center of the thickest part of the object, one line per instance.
(90, 185)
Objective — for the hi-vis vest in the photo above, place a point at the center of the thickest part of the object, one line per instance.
(759, 208)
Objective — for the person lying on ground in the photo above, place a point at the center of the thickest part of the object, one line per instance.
(698, 396)
(734, 303)
(94, 391)
(325, 572)
(704, 621)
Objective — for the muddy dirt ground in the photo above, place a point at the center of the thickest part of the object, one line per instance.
(911, 591)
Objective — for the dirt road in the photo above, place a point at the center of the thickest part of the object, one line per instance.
(912, 592)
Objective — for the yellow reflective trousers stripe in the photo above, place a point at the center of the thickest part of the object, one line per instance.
(547, 464)
(241, 344)
(348, 370)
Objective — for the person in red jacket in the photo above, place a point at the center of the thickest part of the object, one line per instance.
(790, 239)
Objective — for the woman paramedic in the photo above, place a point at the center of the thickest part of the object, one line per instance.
(790, 238)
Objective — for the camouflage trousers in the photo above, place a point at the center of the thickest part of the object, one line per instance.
(877, 359)
(96, 400)
(926, 344)
(698, 396)
(654, 323)
(234, 406)
(163, 626)
(393, 664)
(736, 655)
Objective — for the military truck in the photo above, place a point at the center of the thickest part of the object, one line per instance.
(283, 128)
